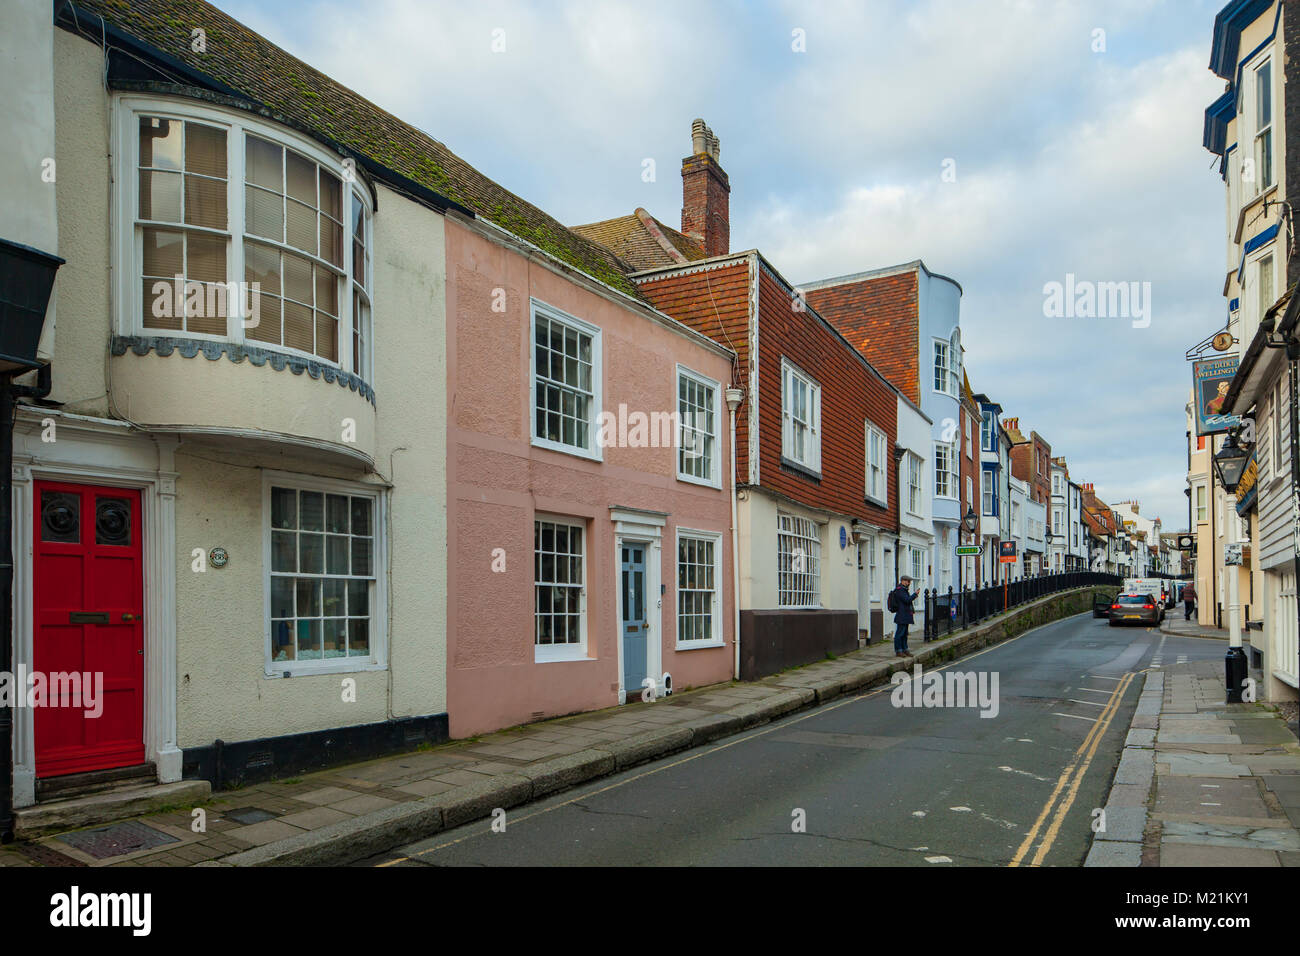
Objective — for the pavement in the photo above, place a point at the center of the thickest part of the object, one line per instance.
(1174, 624)
(354, 811)
(1202, 782)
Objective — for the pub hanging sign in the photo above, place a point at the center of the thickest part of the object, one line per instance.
(1211, 380)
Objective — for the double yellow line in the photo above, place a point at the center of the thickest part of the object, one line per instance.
(1065, 787)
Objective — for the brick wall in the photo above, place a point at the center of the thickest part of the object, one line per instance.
(850, 394)
(714, 302)
(879, 316)
(706, 202)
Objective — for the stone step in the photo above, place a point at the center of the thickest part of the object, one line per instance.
(115, 803)
(95, 781)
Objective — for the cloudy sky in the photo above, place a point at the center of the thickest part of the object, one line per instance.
(1073, 131)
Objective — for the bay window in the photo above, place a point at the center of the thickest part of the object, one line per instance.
(237, 233)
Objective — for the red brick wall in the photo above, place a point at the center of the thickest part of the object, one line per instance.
(706, 200)
(879, 316)
(714, 302)
(850, 394)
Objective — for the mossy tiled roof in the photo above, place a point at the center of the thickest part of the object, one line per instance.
(238, 58)
(629, 239)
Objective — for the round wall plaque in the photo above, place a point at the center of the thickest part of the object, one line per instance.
(218, 557)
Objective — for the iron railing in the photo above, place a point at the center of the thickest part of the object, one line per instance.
(945, 612)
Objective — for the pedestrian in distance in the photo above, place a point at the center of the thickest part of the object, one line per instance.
(1189, 600)
(900, 602)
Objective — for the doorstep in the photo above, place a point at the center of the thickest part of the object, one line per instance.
(115, 803)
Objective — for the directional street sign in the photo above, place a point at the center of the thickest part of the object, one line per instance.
(965, 549)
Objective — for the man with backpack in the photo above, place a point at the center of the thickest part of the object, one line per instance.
(900, 602)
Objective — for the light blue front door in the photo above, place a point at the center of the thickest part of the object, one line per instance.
(634, 619)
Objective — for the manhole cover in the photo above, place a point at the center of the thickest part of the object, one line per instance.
(117, 840)
(247, 815)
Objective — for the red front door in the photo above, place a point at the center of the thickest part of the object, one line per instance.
(88, 590)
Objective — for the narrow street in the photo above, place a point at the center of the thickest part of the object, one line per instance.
(880, 785)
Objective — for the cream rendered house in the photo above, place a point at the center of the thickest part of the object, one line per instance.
(232, 503)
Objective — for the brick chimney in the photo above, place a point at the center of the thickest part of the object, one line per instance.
(705, 192)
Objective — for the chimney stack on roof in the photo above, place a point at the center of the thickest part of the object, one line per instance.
(706, 193)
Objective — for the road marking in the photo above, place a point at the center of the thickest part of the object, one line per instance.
(1099, 731)
(918, 813)
(1079, 761)
(960, 809)
(1088, 703)
(1091, 720)
(938, 859)
(779, 724)
(1211, 804)
(1100, 677)
(1026, 772)
(1094, 690)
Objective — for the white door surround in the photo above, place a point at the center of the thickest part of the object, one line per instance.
(636, 526)
(57, 446)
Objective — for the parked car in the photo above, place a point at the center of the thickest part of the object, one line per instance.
(1136, 609)
(1101, 605)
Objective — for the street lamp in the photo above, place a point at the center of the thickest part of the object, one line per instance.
(26, 278)
(1230, 463)
(968, 524)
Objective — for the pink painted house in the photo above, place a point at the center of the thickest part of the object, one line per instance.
(590, 562)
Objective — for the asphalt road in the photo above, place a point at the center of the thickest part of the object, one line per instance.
(873, 784)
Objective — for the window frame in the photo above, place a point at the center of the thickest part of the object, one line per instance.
(1263, 134)
(942, 451)
(943, 347)
(715, 460)
(548, 653)
(719, 613)
(813, 459)
(127, 233)
(795, 532)
(594, 451)
(915, 484)
(378, 657)
(878, 435)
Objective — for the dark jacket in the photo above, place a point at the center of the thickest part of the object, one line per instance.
(903, 598)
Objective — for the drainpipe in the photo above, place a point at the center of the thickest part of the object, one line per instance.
(8, 393)
(734, 397)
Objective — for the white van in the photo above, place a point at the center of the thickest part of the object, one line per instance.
(1163, 589)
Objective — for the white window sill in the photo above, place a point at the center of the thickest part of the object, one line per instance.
(698, 645)
(702, 482)
(545, 655)
(278, 670)
(881, 502)
(591, 454)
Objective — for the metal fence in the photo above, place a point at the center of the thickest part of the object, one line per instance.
(945, 612)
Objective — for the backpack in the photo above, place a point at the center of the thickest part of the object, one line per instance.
(892, 601)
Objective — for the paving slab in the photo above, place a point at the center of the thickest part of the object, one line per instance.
(1200, 765)
(1175, 854)
(1227, 835)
